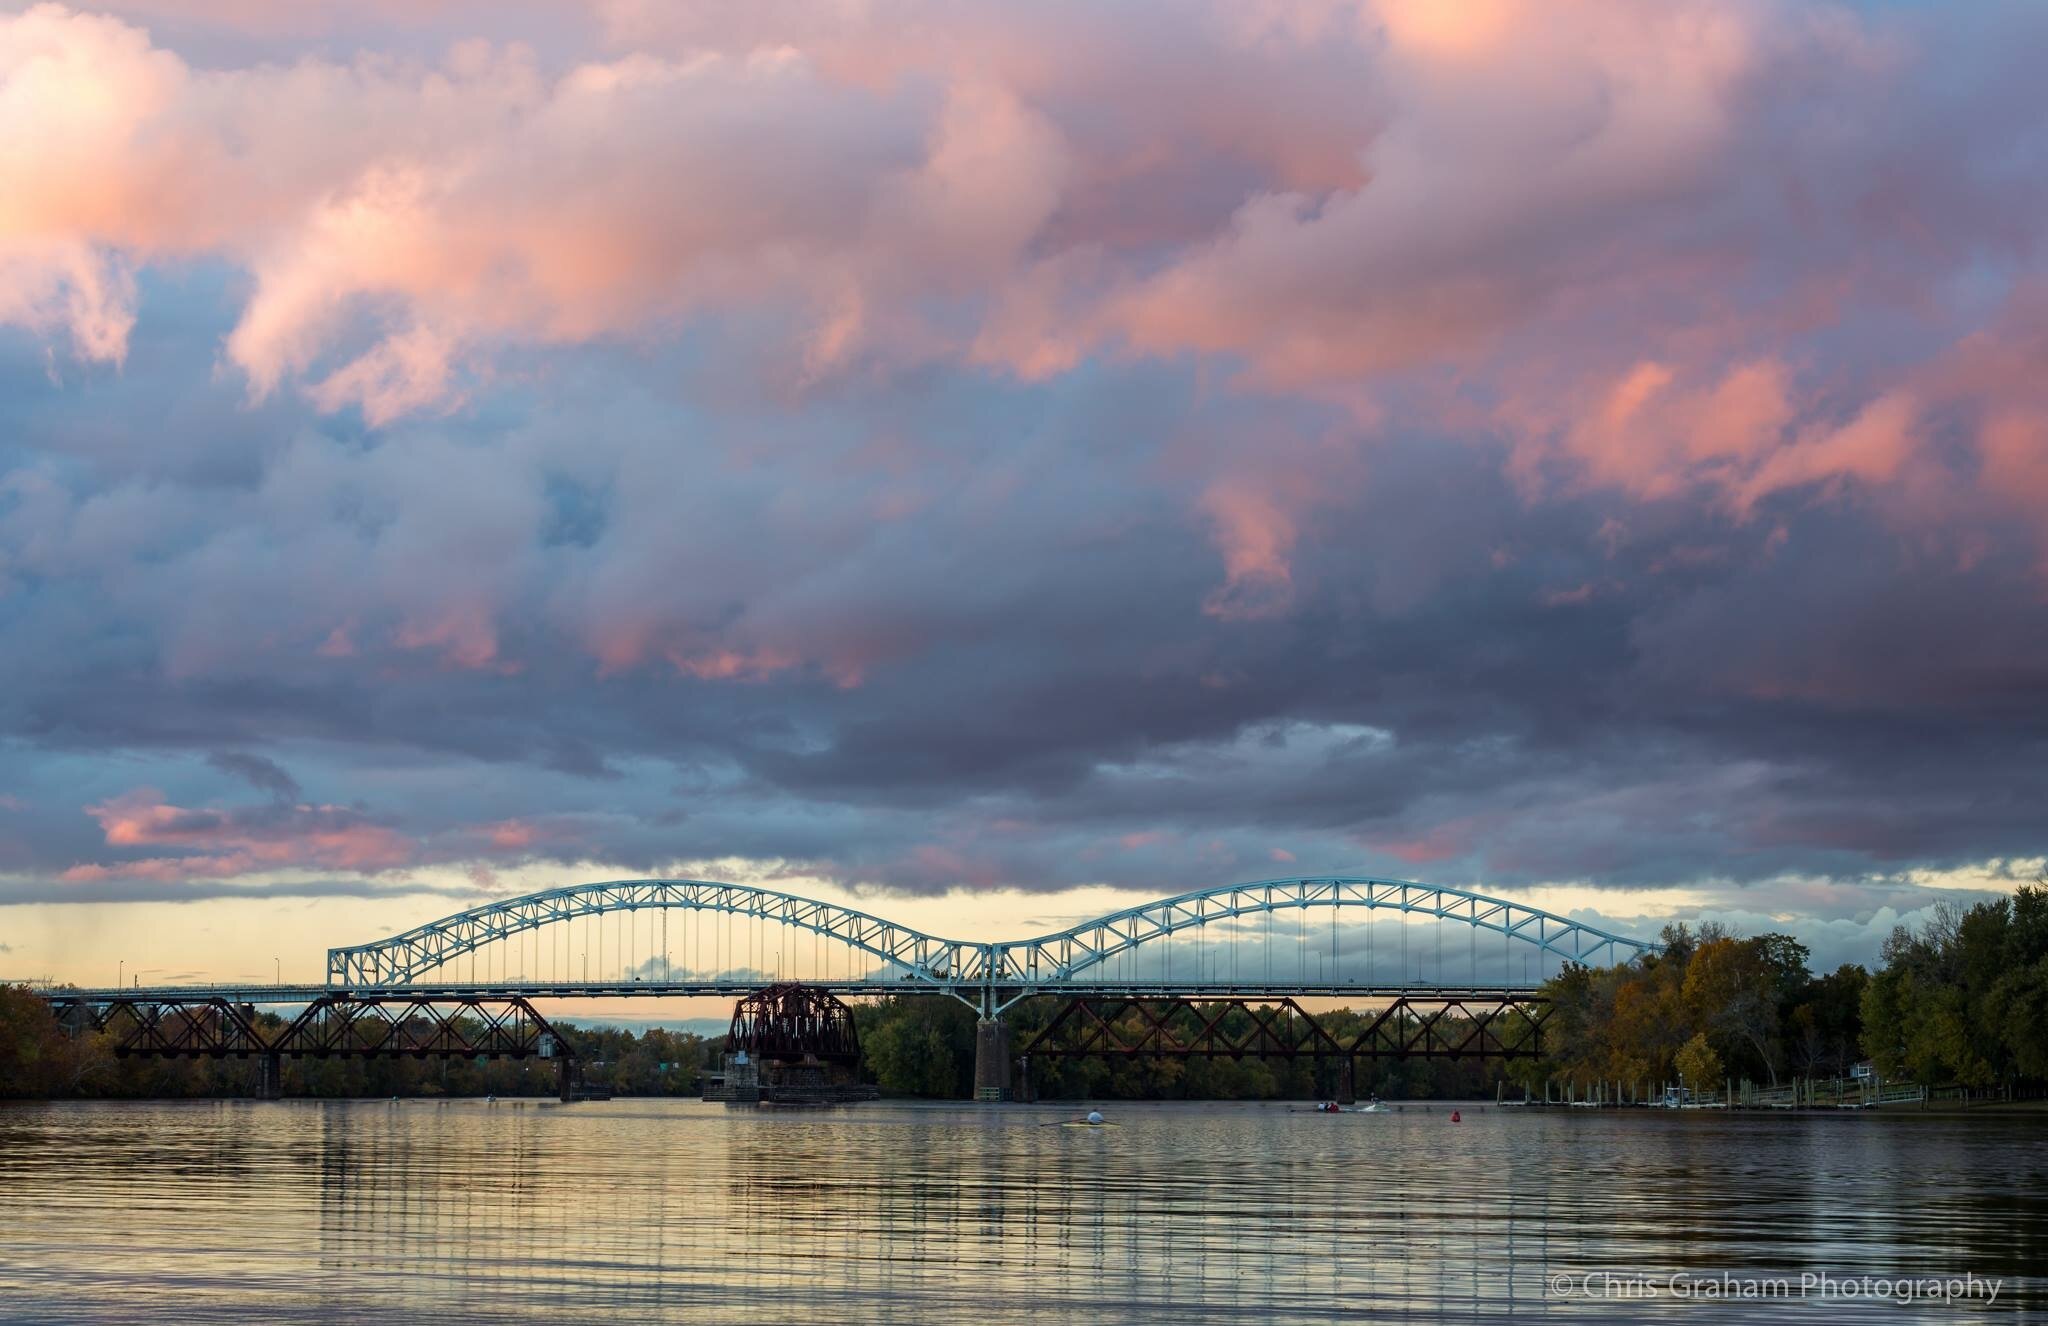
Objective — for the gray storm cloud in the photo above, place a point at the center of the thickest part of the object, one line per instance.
(1539, 451)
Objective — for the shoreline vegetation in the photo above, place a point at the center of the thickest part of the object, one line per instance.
(1958, 1006)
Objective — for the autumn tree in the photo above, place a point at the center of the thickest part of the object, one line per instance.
(38, 1059)
(1698, 1065)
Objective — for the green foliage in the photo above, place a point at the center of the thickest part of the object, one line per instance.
(1749, 1003)
(918, 1046)
(1824, 1028)
(2017, 1009)
(1698, 1066)
(1965, 998)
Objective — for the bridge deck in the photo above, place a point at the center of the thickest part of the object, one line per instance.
(301, 994)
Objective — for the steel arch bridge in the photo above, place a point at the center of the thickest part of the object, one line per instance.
(1107, 955)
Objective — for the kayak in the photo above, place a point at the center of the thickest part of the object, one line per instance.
(1078, 1123)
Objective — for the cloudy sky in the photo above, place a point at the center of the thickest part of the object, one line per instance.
(993, 461)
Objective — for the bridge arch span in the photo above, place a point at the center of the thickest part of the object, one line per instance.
(1071, 953)
(955, 966)
(403, 958)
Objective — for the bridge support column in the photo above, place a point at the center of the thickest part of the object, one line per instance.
(1347, 1087)
(992, 1059)
(270, 1077)
(563, 1084)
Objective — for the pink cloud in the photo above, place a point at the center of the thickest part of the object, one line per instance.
(513, 835)
(463, 636)
(1604, 216)
(938, 865)
(1650, 434)
(1873, 446)
(1420, 851)
(1439, 842)
(457, 206)
(731, 664)
(1255, 536)
(228, 842)
(1734, 438)
(1565, 598)
(407, 372)
(207, 843)
(1994, 375)
(624, 645)
(62, 285)
(1524, 142)
(340, 642)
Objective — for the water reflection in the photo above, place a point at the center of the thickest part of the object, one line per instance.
(680, 1211)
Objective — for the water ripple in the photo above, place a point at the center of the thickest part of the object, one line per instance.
(677, 1211)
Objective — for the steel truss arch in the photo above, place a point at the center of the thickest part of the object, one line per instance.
(402, 958)
(1015, 968)
(1056, 958)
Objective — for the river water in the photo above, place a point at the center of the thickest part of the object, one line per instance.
(667, 1210)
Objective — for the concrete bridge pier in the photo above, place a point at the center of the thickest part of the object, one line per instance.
(270, 1076)
(991, 1059)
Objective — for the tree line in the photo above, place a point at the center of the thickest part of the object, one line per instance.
(1963, 1000)
(1704, 1006)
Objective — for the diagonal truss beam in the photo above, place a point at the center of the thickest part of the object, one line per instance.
(501, 1026)
(405, 957)
(1411, 1027)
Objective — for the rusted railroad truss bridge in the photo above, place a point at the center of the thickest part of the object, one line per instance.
(417, 1026)
(1439, 1024)
(1447, 1025)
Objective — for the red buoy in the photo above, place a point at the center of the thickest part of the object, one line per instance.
(1454, 1116)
